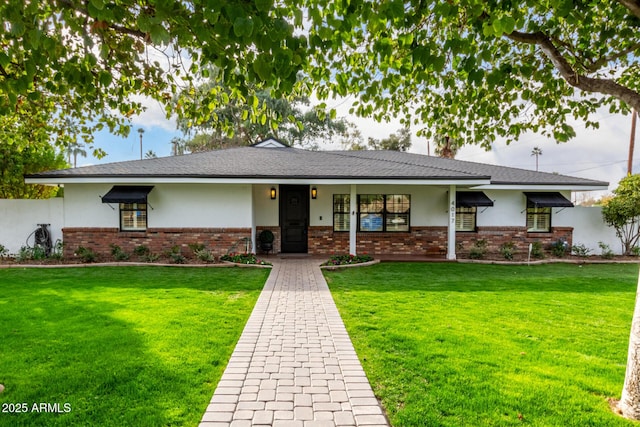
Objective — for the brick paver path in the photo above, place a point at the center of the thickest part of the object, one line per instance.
(294, 364)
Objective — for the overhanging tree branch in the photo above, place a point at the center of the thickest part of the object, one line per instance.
(571, 76)
(632, 5)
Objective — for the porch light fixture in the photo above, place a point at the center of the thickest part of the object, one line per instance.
(273, 193)
(314, 193)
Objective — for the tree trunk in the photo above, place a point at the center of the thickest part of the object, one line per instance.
(630, 400)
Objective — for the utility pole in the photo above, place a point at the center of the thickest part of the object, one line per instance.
(140, 131)
(632, 142)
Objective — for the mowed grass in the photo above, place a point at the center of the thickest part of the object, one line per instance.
(488, 345)
(131, 346)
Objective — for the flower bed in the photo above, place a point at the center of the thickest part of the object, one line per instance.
(243, 259)
(347, 259)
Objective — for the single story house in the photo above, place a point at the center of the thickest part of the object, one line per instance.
(316, 202)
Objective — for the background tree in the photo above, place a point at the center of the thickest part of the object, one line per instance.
(537, 151)
(286, 120)
(475, 70)
(15, 161)
(445, 147)
(87, 60)
(73, 151)
(622, 212)
(400, 141)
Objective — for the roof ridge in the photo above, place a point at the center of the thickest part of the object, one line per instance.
(347, 153)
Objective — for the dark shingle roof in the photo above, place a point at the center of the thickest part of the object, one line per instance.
(292, 163)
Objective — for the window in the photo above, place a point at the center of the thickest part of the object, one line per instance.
(341, 217)
(380, 212)
(466, 218)
(133, 216)
(538, 219)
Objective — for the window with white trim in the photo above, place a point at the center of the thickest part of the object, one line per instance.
(341, 217)
(133, 216)
(384, 212)
(466, 218)
(538, 219)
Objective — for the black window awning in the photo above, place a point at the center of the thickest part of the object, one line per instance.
(127, 194)
(548, 200)
(469, 199)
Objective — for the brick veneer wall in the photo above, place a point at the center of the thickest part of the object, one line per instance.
(430, 241)
(497, 236)
(159, 240)
(419, 241)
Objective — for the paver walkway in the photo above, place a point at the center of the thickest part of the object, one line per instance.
(294, 364)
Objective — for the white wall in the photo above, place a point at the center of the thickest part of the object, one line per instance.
(243, 205)
(170, 205)
(428, 204)
(19, 218)
(200, 205)
(589, 229)
(265, 209)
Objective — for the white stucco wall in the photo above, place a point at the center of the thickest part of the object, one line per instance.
(589, 229)
(243, 205)
(265, 209)
(19, 218)
(428, 204)
(170, 205)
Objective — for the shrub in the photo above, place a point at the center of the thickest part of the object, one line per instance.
(605, 251)
(118, 254)
(478, 250)
(86, 254)
(635, 251)
(195, 247)
(3, 251)
(536, 250)
(178, 258)
(507, 250)
(141, 250)
(150, 257)
(24, 254)
(204, 255)
(38, 253)
(559, 248)
(57, 252)
(580, 250)
(266, 236)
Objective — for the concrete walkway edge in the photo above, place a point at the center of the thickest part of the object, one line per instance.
(294, 364)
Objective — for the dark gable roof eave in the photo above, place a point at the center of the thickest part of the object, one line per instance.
(257, 176)
(580, 183)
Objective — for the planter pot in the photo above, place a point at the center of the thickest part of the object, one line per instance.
(266, 246)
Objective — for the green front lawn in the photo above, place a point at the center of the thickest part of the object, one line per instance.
(486, 345)
(141, 346)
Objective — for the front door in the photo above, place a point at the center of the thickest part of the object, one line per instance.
(294, 217)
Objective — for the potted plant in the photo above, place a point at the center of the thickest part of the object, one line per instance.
(266, 240)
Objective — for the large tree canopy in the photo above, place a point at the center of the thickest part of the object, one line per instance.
(475, 70)
(469, 70)
(69, 67)
(235, 123)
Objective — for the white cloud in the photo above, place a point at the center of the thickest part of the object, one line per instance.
(153, 116)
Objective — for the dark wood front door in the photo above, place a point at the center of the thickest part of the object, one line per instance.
(294, 217)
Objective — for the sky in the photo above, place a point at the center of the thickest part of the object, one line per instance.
(599, 154)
